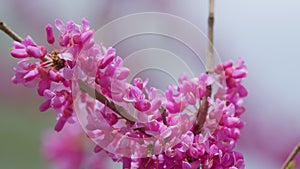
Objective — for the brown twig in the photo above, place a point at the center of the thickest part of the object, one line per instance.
(203, 110)
(9, 32)
(211, 18)
(110, 104)
(291, 156)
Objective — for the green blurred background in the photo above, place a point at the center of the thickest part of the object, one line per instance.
(20, 134)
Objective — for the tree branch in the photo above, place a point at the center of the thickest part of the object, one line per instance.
(291, 157)
(110, 104)
(203, 109)
(202, 112)
(9, 32)
(211, 18)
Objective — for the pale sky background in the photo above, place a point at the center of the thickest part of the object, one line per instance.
(266, 33)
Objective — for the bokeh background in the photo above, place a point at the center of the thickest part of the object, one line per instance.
(266, 33)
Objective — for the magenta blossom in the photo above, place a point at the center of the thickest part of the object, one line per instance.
(132, 123)
(70, 149)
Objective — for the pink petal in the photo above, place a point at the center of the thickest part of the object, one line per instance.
(106, 60)
(193, 152)
(45, 106)
(85, 25)
(186, 165)
(18, 45)
(196, 164)
(142, 117)
(239, 74)
(64, 40)
(77, 39)
(110, 52)
(126, 163)
(15, 80)
(86, 36)
(31, 75)
(43, 85)
(53, 75)
(158, 148)
(153, 126)
(214, 150)
(242, 91)
(122, 73)
(231, 83)
(34, 51)
(228, 64)
(28, 41)
(50, 34)
(155, 104)
(190, 98)
(70, 26)
(60, 25)
(22, 67)
(142, 105)
(240, 63)
(57, 101)
(48, 94)
(43, 50)
(19, 53)
(60, 123)
(166, 133)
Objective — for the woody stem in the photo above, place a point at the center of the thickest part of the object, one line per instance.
(9, 32)
(203, 109)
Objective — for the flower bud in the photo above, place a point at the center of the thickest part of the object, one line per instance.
(50, 34)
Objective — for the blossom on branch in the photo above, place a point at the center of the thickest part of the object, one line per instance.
(188, 126)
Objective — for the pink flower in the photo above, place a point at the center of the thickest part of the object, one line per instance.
(73, 155)
(231, 78)
(64, 156)
(26, 73)
(109, 56)
(175, 102)
(61, 101)
(135, 95)
(28, 48)
(161, 133)
(49, 72)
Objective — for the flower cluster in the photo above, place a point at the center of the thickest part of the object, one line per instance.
(133, 123)
(53, 69)
(77, 154)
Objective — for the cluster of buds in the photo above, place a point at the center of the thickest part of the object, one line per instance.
(188, 126)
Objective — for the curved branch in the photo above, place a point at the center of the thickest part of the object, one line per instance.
(9, 32)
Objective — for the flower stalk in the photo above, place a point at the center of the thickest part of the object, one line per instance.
(203, 110)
